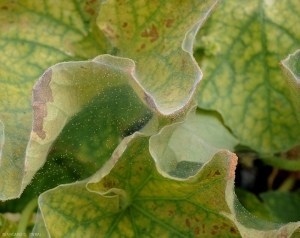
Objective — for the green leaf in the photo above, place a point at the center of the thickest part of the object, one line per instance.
(54, 172)
(134, 200)
(146, 190)
(168, 179)
(283, 206)
(97, 129)
(35, 153)
(242, 76)
(291, 69)
(90, 136)
(132, 196)
(253, 204)
(158, 36)
(67, 89)
(35, 35)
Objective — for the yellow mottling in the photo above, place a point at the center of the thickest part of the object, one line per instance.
(249, 122)
(236, 111)
(125, 227)
(58, 226)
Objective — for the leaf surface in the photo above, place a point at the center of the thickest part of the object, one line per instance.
(145, 190)
(132, 196)
(158, 36)
(283, 206)
(35, 35)
(74, 26)
(240, 48)
(182, 148)
(253, 204)
(153, 184)
(89, 87)
(134, 200)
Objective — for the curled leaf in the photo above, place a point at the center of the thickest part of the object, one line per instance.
(35, 35)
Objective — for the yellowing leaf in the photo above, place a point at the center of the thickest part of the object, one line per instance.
(169, 176)
(158, 36)
(242, 76)
(134, 200)
(131, 196)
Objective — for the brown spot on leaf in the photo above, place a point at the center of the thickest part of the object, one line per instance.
(152, 33)
(213, 232)
(216, 227)
(171, 213)
(278, 104)
(41, 94)
(109, 28)
(217, 173)
(4, 8)
(91, 11)
(232, 230)
(187, 223)
(169, 22)
(90, 2)
(225, 225)
(4, 116)
(124, 24)
(109, 184)
(182, 65)
(143, 46)
(197, 230)
(232, 165)
(203, 228)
